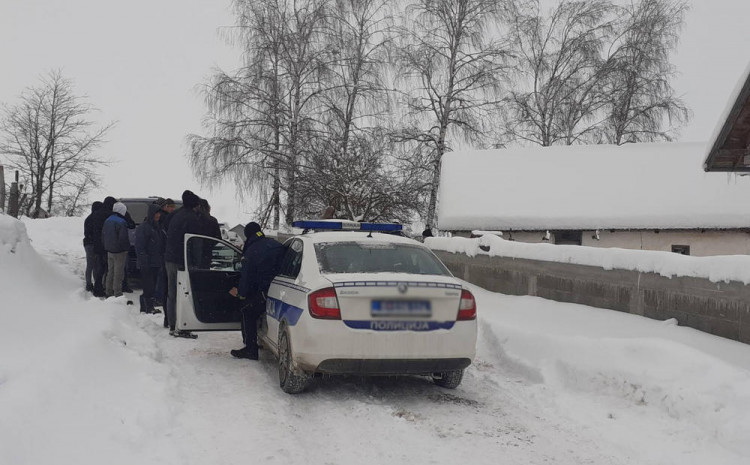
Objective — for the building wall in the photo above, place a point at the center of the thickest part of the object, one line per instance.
(702, 244)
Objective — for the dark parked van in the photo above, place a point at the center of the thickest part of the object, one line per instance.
(138, 210)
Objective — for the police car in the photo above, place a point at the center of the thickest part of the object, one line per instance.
(350, 298)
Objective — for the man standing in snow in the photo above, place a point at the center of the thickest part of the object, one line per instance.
(149, 250)
(97, 224)
(88, 245)
(260, 264)
(116, 243)
(184, 221)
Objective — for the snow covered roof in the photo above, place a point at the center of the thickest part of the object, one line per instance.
(634, 186)
(731, 139)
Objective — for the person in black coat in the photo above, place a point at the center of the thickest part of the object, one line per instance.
(88, 245)
(185, 221)
(100, 255)
(160, 297)
(260, 264)
(149, 249)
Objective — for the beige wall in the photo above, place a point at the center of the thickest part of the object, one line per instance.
(701, 244)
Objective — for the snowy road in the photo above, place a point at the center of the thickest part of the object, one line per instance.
(552, 383)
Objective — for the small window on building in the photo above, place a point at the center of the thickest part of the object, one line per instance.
(569, 237)
(681, 249)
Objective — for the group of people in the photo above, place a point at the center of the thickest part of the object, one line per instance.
(109, 231)
(159, 242)
(106, 239)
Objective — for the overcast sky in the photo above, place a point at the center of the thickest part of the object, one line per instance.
(140, 61)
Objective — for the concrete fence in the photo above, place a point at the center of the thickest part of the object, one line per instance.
(722, 309)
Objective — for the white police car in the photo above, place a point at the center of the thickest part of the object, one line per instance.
(353, 301)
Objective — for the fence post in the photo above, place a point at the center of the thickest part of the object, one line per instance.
(2, 189)
(14, 197)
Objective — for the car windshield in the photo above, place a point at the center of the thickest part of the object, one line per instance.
(377, 257)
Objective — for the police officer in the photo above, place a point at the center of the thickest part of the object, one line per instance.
(260, 264)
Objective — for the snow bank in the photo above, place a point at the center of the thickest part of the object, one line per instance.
(78, 383)
(717, 268)
(656, 390)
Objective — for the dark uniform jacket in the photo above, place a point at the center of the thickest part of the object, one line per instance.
(149, 241)
(183, 221)
(115, 234)
(260, 264)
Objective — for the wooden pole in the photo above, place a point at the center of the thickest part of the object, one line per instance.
(2, 189)
(14, 197)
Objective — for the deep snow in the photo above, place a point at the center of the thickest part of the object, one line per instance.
(85, 381)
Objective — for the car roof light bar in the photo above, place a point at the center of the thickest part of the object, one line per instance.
(346, 225)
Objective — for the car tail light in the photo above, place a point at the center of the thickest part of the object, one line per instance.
(467, 307)
(324, 304)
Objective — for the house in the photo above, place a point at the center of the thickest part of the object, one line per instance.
(635, 196)
(730, 147)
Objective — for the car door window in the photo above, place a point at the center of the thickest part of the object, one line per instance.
(291, 262)
(208, 254)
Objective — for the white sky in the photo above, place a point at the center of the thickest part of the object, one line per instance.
(140, 62)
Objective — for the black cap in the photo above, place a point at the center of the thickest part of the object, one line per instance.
(252, 229)
(190, 200)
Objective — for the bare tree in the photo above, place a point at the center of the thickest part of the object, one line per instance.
(50, 140)
(640, 95)
(368, 185)
(558, 95)
(452, 65)
(262, 118)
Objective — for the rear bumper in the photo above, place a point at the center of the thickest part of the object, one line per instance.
(392, 366)
(331, 347)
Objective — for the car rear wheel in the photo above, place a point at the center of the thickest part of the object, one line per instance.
(290, 382)
(448, 379)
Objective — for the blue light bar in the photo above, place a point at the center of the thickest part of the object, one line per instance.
(347, 225)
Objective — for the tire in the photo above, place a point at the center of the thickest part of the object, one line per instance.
(289, 381)
(448, 379)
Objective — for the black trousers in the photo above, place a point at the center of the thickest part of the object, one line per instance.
(148, 282)
(253, 309)
(100, 271)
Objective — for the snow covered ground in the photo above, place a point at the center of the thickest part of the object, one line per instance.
(85, 381)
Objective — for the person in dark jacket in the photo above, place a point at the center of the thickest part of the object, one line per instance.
(100, 255)
(88, 245)
(208, 224)
(185, 221)
(167, 208)
(131, 237)
(149, 250)
(260, 264)
(116, 243)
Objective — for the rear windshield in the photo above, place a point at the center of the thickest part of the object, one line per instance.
(377, 257)
(138, 210)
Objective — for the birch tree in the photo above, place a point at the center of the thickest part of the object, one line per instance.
(452, 67)
(559, 58)
(641, 103)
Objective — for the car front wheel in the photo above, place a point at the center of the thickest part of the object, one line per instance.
(290, 382)
(448, 379)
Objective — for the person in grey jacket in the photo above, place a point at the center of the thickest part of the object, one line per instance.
(149, 250)
(116, 243)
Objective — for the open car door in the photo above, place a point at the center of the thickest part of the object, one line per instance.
(212, 268)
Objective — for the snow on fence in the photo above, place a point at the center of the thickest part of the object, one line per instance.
(706, 293)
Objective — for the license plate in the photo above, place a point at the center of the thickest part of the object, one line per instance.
(401, 308)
